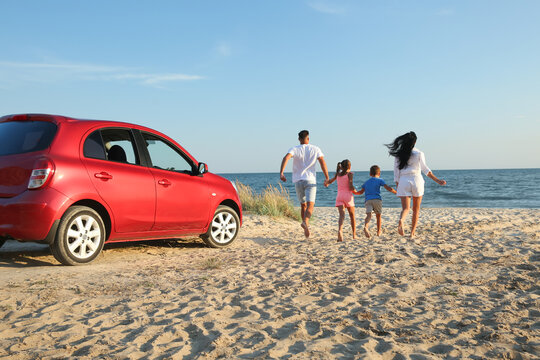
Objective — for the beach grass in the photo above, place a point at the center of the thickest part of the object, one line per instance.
(212, 264)
(273, 201)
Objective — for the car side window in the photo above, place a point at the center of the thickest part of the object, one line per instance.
(164, 156)
(120, 146)
(93, 146)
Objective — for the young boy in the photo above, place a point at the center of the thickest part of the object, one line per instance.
(372, 188)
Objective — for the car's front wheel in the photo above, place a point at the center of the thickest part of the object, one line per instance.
(223, 229)
(80, 236)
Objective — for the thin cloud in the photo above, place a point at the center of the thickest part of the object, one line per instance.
(445, 12)
(48, 72)
(224, 49)
(151, 79)
(326, 8)
(82, 68)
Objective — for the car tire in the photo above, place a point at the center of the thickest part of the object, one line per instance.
(223, 229)
(80, 236)
(2, 242)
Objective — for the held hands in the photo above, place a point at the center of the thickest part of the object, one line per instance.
(284, 179)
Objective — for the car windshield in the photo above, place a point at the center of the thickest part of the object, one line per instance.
(18, 137)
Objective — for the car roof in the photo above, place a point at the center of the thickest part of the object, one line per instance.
(59, 119)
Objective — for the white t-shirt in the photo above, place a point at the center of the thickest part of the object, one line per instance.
(415, 166)
(305, 158)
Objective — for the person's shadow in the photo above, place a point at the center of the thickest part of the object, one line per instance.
(14, 254)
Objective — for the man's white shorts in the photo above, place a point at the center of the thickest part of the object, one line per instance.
(306, 191)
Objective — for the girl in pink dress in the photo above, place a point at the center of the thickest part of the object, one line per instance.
(344, 198)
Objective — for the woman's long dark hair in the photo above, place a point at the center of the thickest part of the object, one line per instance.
(402, 148)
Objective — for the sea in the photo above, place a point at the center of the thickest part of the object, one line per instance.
(506, 188)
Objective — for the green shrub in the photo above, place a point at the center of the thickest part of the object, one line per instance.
(272, 201)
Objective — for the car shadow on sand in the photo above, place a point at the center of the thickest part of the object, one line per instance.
(14, 254)
(163, 243)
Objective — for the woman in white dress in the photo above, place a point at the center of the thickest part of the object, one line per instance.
(408, 167)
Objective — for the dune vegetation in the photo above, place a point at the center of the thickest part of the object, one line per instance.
(273, 201)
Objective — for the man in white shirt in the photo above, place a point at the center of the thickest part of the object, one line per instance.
(305, 157)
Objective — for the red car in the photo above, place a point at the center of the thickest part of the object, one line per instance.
(77, 184)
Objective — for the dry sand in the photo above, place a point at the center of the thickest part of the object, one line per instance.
(467, 287)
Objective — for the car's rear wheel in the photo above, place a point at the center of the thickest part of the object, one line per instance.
(80, 236)
(2, 242)
(223, 229)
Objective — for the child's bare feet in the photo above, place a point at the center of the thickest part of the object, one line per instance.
(354, 236)
(379, 232)
(366, 232)
(412, 236)
(400, 228)
(306, 229)
(339, 236)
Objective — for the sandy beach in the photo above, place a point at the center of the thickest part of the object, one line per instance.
(467, 287)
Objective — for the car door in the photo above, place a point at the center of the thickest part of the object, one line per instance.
(128, 188)
(182, 198)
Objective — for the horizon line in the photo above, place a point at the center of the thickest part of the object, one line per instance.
(486, 169)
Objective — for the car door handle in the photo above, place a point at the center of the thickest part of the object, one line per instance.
(103, 176)
(164, 182)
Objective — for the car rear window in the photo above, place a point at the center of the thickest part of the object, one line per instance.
(19, 137)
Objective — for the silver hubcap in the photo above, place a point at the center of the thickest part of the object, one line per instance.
(83, 236)
(223, 228)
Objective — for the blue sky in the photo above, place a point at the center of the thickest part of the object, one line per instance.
(234, 81)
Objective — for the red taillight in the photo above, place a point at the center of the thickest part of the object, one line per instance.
(41, 174)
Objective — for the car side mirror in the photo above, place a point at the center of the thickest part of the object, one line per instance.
(203, 168)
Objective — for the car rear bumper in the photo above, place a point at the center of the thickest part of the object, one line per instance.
(30, 215)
